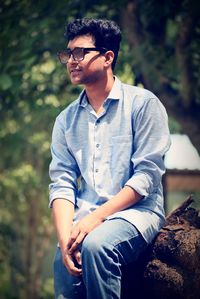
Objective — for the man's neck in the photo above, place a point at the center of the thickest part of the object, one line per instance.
(98, 92)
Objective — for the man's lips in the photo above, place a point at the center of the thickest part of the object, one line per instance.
(75, 71)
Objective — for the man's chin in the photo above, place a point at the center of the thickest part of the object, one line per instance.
(75, 81)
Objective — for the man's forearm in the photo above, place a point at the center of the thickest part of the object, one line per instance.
(124, 199)
(63, 213)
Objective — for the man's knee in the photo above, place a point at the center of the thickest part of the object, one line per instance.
(94, 245)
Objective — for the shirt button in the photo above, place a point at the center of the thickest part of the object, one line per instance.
(96, 170)
(98, 121)
(97, 145)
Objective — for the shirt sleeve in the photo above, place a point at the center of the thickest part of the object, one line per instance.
(63, 170)
(151, 141)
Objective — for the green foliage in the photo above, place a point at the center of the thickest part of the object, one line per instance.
(33, 92)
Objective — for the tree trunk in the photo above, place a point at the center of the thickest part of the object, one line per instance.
(170, 267)
(181, 103)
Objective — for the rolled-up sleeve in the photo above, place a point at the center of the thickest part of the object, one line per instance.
(63, 170)
(151, 141)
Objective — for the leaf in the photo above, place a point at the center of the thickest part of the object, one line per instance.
(5, 82)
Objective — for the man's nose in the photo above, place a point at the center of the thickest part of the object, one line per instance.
(71, 60)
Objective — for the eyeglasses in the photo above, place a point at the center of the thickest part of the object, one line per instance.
(77, 53)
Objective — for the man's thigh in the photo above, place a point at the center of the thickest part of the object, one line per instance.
(119, 234)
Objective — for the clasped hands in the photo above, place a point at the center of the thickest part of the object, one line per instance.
(71, 254)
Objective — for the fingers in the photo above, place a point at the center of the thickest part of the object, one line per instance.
(77, 256)
(72, 264)
(74, 242)
(74, 234)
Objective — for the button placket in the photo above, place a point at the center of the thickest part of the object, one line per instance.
(97, 153)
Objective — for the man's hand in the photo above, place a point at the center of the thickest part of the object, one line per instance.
(71, 254)
(80, 231)
(122, 200)
(72, 262)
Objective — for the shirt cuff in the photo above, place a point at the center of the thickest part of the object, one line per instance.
(140, 182)
(64, 194)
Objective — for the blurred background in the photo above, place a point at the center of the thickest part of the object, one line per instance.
(160, 51)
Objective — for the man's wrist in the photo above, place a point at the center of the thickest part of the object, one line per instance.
(63, 248)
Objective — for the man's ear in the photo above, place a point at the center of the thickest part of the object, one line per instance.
(109, 57)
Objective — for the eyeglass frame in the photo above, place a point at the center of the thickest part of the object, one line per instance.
(85, 50)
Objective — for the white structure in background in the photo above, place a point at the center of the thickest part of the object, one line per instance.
(182, 154)
(183, 172)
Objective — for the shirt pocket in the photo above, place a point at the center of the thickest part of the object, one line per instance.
(121, 152)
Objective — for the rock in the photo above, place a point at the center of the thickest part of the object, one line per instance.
(170, 267)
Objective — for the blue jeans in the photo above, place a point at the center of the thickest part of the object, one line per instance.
(111, 245)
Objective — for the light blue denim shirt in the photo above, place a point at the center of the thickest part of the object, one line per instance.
(95, 156)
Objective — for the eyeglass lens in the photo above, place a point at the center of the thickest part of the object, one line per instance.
(77, 54)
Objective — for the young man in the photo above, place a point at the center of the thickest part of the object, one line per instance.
(107, 163)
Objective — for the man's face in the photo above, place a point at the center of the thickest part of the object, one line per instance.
(91, 68)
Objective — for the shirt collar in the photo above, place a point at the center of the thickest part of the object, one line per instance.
(83, 99)
(115, 93)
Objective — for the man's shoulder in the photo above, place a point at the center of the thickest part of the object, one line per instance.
(71, 108)
(137, 96)
(65, 117)
(137, 91)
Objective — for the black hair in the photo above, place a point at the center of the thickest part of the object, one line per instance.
(106, 33)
